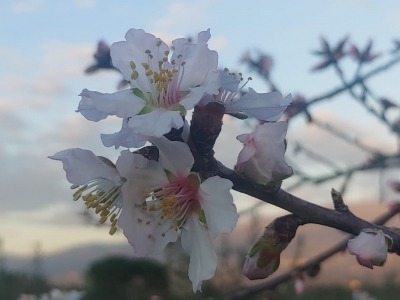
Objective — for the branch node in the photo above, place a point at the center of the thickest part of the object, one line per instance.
(338, 202)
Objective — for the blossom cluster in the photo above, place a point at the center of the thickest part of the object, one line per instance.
(156, 200)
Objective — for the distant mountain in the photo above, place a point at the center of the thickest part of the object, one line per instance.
(67, 266)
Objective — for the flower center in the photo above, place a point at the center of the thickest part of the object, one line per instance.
(173, 202)
(163, 82)
(104, 197)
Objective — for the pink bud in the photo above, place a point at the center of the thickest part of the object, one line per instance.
(370, 247)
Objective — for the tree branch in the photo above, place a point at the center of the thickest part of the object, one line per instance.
(308, 212)
(273, 283)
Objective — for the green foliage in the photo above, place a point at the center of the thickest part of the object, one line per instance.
(13, 284)
(125, 279)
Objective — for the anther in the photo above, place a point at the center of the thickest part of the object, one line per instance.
(147, 51)
(146, 66)
(159, 223)
(74, 186)
(139, 220)
(158, 44)
(134, 75)
(149, 236)
(163, 234)
(113, 230)
(133, 66)
(148, 222)
(149, 73)
(250, 78)
(173, 62)
(226, 70)
(103, 219)
(165, 59)
(166, 53)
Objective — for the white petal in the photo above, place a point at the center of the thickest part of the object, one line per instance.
(134, 49)
(197, 243)
(217, 203)
(125, 138)
(123, 104)
(140, 172)
(199, 60)
(170, 235)
(82, 166)
(263, 106)
(210, 86)
(246, 154)
(174, 156)
(134, 223)
(88, 110)
(156, 123)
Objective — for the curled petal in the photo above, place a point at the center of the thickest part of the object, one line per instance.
(197, 243)
(82, 166)
(123, 104)
(217, 203)
(87, 108)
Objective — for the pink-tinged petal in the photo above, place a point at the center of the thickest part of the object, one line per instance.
(156, 123)
(217, 203)
(263, 106)
(197, 243)
(370, 247)
(123, 104)
(199, 60)
(125, 138)
(82, 166)
(88, 110)
(136, 224)
(163, 234)
(140, 172)
(174, 156)
(247, 152)
(134, 49)
(268, 145)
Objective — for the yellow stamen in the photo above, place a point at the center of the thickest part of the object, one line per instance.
(113, 230)
(134, 75)
(133, 66)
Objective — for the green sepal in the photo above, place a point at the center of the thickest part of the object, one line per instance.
(202, 216)
(139, 93)
(257, 247)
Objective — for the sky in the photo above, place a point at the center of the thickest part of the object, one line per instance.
(45, 47)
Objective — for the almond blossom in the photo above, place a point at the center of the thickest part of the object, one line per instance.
(162, 89)
(370, 247)
(164, 199)
(262, 158)
(263, 106)
(96, 181)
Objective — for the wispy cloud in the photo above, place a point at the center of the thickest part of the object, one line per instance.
(27, 6)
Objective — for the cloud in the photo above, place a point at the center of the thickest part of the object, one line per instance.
(27, 6)
(194, 13)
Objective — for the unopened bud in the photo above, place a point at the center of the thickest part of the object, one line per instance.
(264, 256)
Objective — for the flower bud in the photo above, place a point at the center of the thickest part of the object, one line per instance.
(370, 247)
(264, 256)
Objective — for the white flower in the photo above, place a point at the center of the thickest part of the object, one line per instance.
(162, 199)
(96, 180)
(161, 89)
(263, 106)
(262, 158)
(370, 247)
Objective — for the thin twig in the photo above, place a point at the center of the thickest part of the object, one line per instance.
(273, 283)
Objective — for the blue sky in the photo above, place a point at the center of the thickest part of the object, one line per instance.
(45, 46)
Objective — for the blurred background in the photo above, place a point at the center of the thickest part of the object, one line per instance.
(46, 46)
